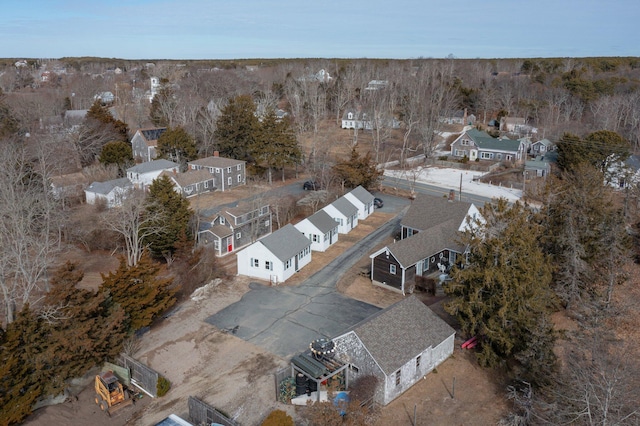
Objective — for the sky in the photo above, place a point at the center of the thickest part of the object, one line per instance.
(241, 29)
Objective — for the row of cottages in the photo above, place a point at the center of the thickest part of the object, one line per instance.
(428, 243)
(475, 145)
(277, 256)
(399, 345)
(320, 231)
(234, 228)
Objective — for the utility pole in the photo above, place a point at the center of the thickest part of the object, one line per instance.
(460, 196)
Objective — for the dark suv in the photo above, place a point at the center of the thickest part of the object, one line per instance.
(378, 203)
(310, 185)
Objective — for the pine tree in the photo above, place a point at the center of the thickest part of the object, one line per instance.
(21, 383)
(177, 145)
(172, 214)
(504, 296)
(138, 289)
(84, 329)
(358, 170)
(236, 128)
(275, 145)
(118, 153)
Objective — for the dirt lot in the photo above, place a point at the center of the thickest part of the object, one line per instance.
(237, 377)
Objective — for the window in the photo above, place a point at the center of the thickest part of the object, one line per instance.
(216, 244)
(239, 167)
(287, 264)
(228, 169)
(268, 265)
(398, 378)
(418, 359)
(221, 220)
(354, 368)
(230, 181)
(217, 170)
(266, 223)
(238, 235)
(255, 263)
(206, 183)
(464, 142)
(315, 238)
(486, 155)
(239, 178)
(392, 269)
(264, 209)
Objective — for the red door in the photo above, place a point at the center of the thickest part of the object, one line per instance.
(229, 245)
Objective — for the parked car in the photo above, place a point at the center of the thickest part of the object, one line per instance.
(378, 203)
(310, 185)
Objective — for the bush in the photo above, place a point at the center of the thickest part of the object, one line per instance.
(163, 386)
(443, 158)
(278, 418)
(464, 160)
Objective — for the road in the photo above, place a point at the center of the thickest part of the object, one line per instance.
(436, 191)
(284, 320)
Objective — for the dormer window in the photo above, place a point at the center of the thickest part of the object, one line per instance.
(350, 116)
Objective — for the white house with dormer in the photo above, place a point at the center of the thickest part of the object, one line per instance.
(141, 175)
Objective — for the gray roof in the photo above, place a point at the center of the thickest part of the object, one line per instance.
(362, 194)
(399, 333)
(428, 211)
(189, 177)
(484, 141)
(427, 243)
(106, 187)
(345, 207)
(322, 221)
(216, 162)
(286, 242)
(152, 134)
(153, 166)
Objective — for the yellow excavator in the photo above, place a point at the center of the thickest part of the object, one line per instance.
(110, 395)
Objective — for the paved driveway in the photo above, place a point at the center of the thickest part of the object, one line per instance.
(284, 320)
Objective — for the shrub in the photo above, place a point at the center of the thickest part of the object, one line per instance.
(464, 160)
(163, 386)
(443, 158)
(278, 418)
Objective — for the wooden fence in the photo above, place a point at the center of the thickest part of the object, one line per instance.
(202, 414)
(141, 375)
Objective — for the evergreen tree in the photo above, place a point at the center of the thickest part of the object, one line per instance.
(177, 145)
(21, 381)
(100, 117)
(118, 153)
(172, 215)
(275, 145)
(504, 296)
(138, 289)
(357, 170)
(600, 149)
(237, 128)
(84, 329)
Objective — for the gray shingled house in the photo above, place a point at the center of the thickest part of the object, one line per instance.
(191, 182)
(228, 172)
(144, 143)
(399, 345)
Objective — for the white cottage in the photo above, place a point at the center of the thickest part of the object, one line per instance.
(141, 175)
(363, 200)
(111, 192)
(277, 256)
(321, 230)
(399, 345)
(343, 212)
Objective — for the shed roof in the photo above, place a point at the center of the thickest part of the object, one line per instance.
(401, 332)
(286, 242)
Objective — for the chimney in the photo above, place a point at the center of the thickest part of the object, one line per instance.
(216, 153)
(464, 118)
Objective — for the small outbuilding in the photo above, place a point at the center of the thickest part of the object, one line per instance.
(363, 200)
